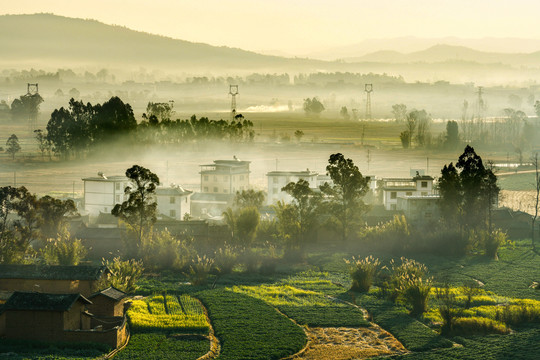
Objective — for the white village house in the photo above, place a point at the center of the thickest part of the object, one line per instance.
(102, 192)
(279, 179)
(173, 201)
(394, 188)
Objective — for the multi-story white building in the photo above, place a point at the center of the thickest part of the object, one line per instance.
(102, 192)
(173, 201)
(225, 176)
(393, 188)
(279, 179)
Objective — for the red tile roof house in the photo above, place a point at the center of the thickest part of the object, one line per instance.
(58, 317)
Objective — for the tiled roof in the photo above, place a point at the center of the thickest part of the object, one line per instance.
(52, 272)
(41, 301)
(111, 293)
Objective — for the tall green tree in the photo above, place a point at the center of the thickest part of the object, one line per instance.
(139, 210)
(468, 191)
(452, 134)
(346, 193)
(249, 198)
(12, 145)
(112, 118)
(400, 112)
(306, 207)
(313, 106)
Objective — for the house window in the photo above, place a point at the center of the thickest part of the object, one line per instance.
(427, 215)
(206, 189)
(172, 213)
(117, 186)
(172, 200)
(215, 178)
(215, 189)
(205, 177)
(275, 180)
(393, 207)
(117, 198)
(393, 195)
(186, 200)
(408, 193)
(424, 193)
(241, 177)
(424, 184)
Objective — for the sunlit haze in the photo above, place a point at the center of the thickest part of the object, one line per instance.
(302, 26)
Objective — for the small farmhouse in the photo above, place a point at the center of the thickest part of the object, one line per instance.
(58, 317)
(108, 302)
(55, 279)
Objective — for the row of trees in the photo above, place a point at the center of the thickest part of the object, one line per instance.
(80, 128)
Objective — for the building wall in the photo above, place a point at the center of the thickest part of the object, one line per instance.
(181, 205)
(34, 325)
(85, 287)
(104, 306)
(224, 183)
(277, 182)
(101, 196)
(2, 324)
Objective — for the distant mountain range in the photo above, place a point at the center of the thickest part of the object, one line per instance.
(46, 41)
(414, 44)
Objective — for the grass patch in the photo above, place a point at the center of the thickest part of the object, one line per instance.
(29, 349)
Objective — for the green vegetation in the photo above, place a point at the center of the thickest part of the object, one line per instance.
(26, 349)
(150, 315)
(306, 307)
(160, 346)
(249, 328)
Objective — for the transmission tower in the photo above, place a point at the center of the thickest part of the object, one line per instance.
(233, 91)
(32, 92)
(368, 88)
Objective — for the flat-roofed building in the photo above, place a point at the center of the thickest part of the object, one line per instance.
(174, 201)
(393, 188)
(279, 179)
(102, 192)
(225, 176)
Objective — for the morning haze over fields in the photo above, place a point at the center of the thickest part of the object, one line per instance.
(269, 179)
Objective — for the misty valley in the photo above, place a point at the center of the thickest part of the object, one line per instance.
(167, 199)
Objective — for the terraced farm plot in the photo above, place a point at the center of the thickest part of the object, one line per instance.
(160, 346)
(249, 328)
(306, 307)
(184, 316)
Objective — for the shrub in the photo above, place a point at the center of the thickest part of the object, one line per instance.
(199, 270)
(492, 242)
(415, 291)
(519, 313)
(64, 250)
(165, 251)
(225, 259)
(362, 272)
(124, 274)
(470, 289)
(478, 326)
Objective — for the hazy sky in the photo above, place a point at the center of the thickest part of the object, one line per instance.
(300, 26)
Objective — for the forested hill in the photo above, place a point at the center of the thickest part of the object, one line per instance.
(46, 40)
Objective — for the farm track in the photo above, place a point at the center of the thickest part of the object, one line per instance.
(215, 347)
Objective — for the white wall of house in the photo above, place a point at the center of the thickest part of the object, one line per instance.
(100, 195)
(396, 188)
(174, 206)
(278, 179)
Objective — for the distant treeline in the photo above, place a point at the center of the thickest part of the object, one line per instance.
(80, 128)
(105, 76)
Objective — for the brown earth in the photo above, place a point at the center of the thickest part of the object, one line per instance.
(349, 343)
